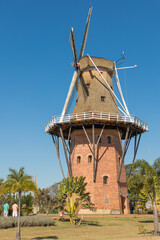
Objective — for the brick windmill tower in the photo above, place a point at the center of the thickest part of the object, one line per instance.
(96, 135)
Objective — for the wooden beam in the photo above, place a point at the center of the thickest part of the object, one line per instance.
(128, 142)
(68, 149)
(123, 154)
(100, 135)
(120, 140)
(92, 148)
(65, 152)
(135, 152)
(90, 145)
(93, 139)
(103, 153)
(136, 145)
(57, 152)
(69, 134)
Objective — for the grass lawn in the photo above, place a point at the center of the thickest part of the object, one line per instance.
(94, 228)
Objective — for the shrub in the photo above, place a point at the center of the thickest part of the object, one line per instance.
(26, 221)
(150, 211)
(25, 210)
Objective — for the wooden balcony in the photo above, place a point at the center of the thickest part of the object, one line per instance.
(98, 118)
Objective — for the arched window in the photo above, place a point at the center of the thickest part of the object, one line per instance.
(89, 158)
(108, 139)
(105, 180)
(78, 159)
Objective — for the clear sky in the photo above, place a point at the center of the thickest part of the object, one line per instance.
(35, 72)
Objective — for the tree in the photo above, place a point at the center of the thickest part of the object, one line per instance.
(43, 200)
(27, 204)
(151, 184)
(47, 198)
(73, 196)
(1, 181)
(54, 190)
(18, 182)
(145, 181)
(135, 181)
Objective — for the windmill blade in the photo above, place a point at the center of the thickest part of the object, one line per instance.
(85, 35)
(116, 78)
(73, 46)
(77, 84)
(74, 78)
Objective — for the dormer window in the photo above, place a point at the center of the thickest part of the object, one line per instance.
(102, 98)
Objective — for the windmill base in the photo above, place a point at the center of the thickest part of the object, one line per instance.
(108, 195)
(102, 212)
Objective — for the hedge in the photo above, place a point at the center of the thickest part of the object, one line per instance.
(26, 221)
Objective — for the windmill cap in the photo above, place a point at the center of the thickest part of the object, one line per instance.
(102, 63)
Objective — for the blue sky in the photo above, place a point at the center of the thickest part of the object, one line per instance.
(35, 72)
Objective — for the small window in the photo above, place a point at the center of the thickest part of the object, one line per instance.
(88, 85)
(102, 99)
(108, 139)
(76, 100)
(105, 180)
(89, 158)
(78, 159)
(99, 139)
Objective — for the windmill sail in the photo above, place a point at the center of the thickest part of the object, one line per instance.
(73, 46)
(85, 34)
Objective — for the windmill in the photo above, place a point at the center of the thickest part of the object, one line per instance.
(96, 135)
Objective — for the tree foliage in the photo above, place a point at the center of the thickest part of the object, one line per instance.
(144, 185)
(73, 196)
(46, 199)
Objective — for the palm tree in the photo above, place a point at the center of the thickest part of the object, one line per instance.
(18, 182)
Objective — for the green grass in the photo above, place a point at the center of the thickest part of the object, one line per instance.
(94, 228)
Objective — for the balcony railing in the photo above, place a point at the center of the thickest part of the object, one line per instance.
(97, 115)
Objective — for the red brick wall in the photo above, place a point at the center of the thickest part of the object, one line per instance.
(108, 166)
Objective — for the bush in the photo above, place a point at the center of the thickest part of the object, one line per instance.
(150, 211)
(26, 221)
(25, 210)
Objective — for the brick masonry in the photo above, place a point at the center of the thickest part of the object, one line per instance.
(110, 197)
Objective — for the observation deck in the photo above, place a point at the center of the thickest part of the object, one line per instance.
(110, 120)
